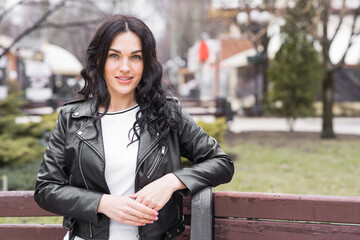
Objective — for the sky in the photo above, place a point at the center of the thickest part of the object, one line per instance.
(338, 47)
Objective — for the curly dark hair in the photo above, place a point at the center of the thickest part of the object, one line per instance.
(155, 111)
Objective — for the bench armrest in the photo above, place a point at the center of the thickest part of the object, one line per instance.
(202, 215)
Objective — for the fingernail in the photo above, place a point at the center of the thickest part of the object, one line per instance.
(156, 218)
(143, 224)
(151, 222)
(156, 213)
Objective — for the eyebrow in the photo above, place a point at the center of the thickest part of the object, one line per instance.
(118, 51)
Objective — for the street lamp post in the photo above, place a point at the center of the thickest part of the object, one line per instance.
(258, 61)
(255, 25)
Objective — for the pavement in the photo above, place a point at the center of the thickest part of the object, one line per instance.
(342, 125)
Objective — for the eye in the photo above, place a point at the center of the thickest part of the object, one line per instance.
(113, 55)
(136, 57)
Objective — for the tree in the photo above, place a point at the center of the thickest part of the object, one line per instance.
(296, 69)
(325, 12)
(43, 15)
(20, 141)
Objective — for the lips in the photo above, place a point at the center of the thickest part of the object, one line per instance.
(124, 79)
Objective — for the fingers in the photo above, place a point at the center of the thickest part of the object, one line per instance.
(132, 216)
(142, 211)
(154, 203)
(125, 210)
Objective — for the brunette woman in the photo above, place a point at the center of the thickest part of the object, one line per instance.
(112, 165)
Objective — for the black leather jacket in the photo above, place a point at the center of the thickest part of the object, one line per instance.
(71, 178)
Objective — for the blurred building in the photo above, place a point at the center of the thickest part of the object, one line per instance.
(231, 69)
(8, 66)
(47, 74)
(225, 73)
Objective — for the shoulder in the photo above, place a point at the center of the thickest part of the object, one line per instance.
(75, 102)
(178, 112)
(74, 105)
(174, 105)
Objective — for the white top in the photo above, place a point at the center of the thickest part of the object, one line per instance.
(120, 160)
(120, 163)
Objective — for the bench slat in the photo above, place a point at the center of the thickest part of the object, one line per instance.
(235, 229)
(288, 207)
(20, 204)
(31, 231)
(48, 231)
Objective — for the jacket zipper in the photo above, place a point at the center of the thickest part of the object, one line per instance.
(81, 171)
(145, 157)
(150, 151)
(83, 177)
(156, 162)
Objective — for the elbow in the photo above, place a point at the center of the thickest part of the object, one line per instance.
(230, 170)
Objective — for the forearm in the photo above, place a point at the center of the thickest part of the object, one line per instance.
(69, 201)
(174, 181)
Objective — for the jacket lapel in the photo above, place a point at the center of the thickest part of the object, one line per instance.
(90, 133)
(146, 143)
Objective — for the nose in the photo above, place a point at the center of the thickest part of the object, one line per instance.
(124, 65)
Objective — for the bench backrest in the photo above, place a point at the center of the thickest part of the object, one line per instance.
(22, 204)
(223, 215)
(260, 216)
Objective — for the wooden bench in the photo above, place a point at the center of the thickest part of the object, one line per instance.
(223, 215)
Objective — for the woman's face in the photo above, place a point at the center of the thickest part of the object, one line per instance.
(124, 66)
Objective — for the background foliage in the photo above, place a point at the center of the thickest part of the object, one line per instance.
(295, 73)
(22, 144)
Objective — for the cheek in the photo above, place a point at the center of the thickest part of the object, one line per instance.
(140, 69)
(106, 68)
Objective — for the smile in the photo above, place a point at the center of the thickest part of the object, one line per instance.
(124, 79)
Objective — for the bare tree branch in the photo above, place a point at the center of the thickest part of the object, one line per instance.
(341, 16)
(324, 18)
(70, 24)
(93, 5)
(34, 27)
(4, 13)
(350, 43)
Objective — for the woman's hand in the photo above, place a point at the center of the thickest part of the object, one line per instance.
(126, 210)
(156, 194)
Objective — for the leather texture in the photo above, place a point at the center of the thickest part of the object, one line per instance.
(71, 179)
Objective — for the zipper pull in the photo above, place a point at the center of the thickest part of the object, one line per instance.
(157, 161)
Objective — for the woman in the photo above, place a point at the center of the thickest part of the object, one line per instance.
(112, 166)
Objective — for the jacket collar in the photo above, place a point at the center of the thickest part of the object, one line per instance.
(87, 109)
(88, 132)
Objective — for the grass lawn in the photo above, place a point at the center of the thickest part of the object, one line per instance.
(300, 163)
(31, 220)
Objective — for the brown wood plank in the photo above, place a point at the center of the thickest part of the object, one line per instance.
(48, 231)
(20, 204)
(233, 229)
(32, 231)
(335, 209)
(187, 206)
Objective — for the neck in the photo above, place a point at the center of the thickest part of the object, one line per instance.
(119, 104)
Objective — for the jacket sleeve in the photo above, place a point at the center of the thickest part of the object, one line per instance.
(211, 165)
(53, 191)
